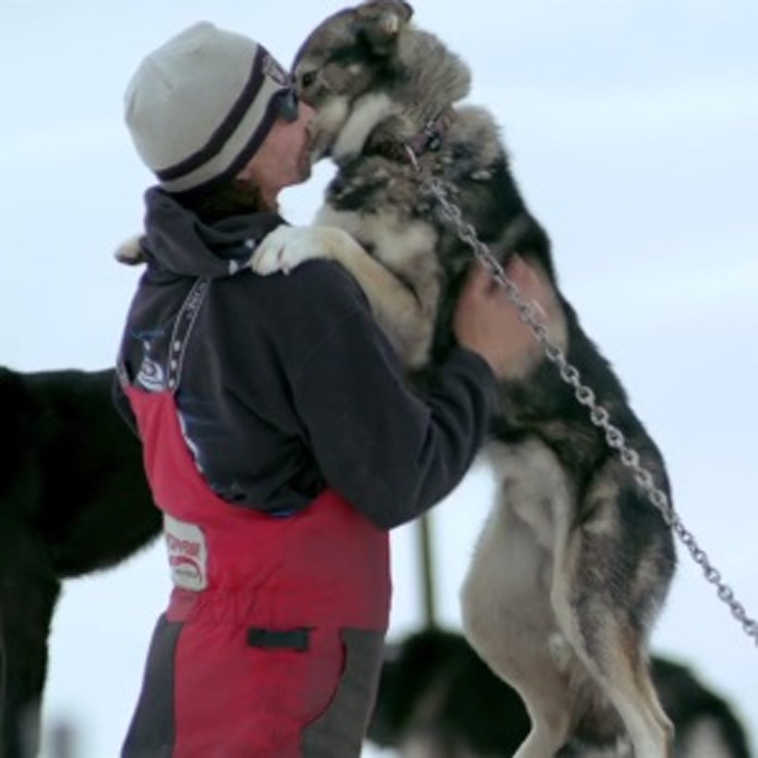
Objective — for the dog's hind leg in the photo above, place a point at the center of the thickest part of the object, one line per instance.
(511, 634)
(28, 592)
(507, 616)
(604, 594)
(549, 703)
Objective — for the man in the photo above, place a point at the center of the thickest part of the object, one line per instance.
(280, 438)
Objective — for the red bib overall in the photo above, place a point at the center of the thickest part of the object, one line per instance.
(271, 643)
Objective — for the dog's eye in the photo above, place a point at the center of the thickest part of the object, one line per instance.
(309, 77)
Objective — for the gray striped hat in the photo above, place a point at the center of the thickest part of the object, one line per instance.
(200, 105)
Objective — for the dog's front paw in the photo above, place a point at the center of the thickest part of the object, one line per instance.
(130, 251)
(286, 248)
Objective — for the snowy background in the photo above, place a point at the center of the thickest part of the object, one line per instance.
(633, 127)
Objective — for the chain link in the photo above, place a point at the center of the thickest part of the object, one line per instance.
(599, 416)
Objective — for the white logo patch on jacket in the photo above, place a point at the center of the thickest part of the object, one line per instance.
(187, 553)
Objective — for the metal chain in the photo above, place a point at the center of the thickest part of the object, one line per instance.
(586, 396)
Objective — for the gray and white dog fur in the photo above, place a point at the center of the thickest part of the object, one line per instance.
(573, 563)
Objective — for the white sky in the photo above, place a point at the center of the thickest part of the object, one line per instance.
(632, 126)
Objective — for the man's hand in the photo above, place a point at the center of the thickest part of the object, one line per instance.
(488, 323)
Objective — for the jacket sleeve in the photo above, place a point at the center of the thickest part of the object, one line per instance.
(390, 452)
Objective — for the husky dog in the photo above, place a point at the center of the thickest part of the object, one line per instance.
(574, 562)
(73, 499)
(437, 699)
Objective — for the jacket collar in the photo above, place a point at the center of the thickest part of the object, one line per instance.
(177, 241)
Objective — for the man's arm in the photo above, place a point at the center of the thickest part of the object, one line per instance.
(389, 452)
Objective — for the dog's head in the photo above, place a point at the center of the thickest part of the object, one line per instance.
(366, 64)
(350, 54)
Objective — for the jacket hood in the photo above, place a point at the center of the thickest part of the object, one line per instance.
(176, 240)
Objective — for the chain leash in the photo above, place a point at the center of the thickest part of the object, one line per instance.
(599, 416)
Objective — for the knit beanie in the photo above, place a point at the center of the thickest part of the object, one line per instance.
(200, 105)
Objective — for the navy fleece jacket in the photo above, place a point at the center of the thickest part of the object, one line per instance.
(288, 385)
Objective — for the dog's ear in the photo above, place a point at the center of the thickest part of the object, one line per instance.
(380, 22)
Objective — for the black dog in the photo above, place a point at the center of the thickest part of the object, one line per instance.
(438, 699)
(73, 499)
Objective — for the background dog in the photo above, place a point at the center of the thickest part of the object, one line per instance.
(437, 699)
(574, 563)
(73, 499)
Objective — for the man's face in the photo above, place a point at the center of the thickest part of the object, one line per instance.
(284, 157)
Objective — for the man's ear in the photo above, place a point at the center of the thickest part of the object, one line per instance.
(380, 22)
